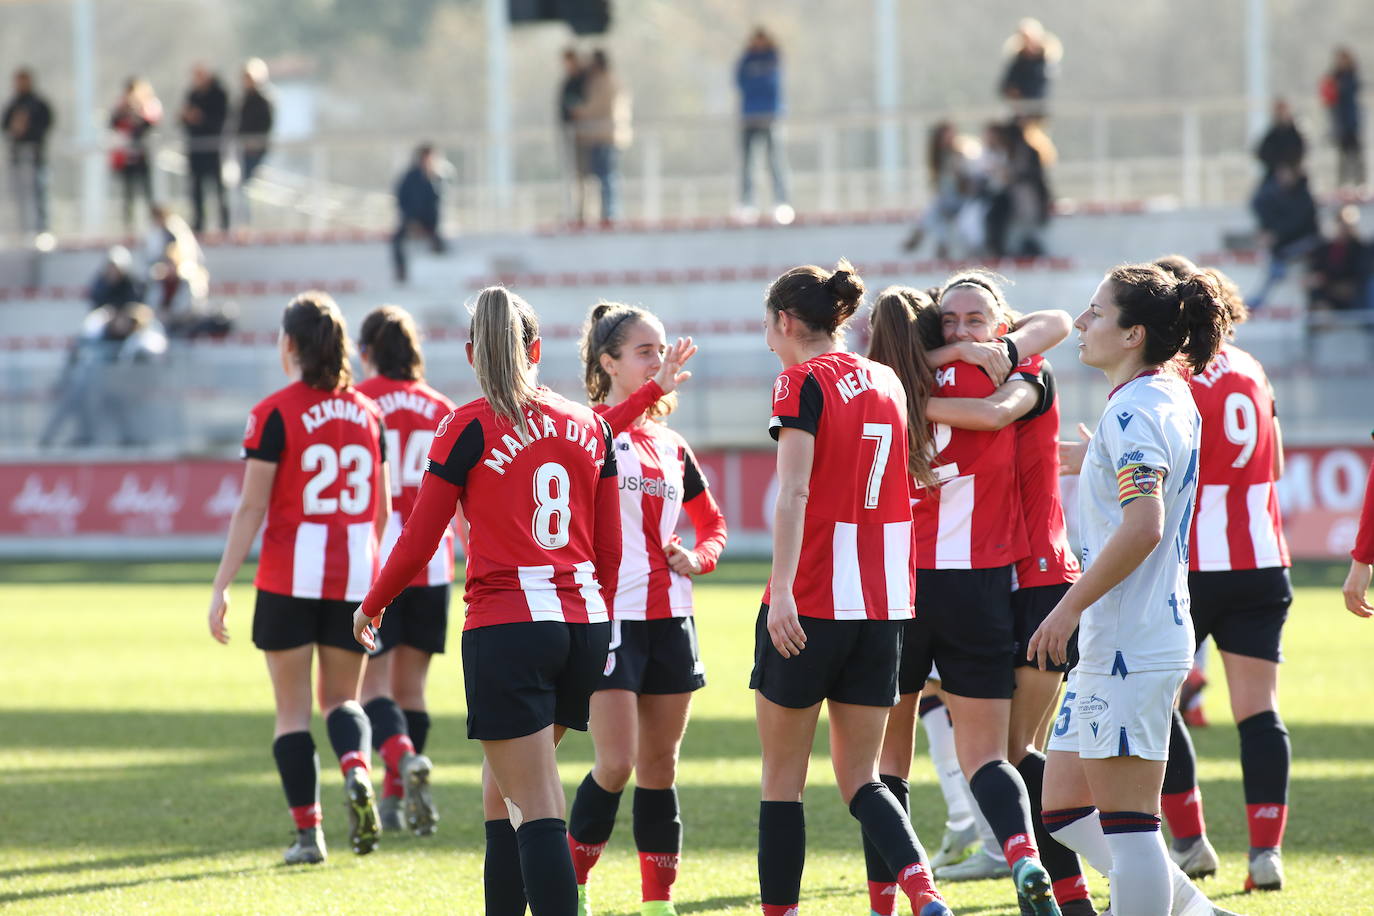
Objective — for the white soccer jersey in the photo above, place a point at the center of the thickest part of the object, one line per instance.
(1143, 624)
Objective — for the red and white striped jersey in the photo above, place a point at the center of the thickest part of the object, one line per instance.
(856, 559)
(1237, 523)
(534, 504)
(320, 540)
(411, 410)
(974, 520)
(1050, 560)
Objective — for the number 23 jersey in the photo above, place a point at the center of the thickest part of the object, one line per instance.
(320, 540)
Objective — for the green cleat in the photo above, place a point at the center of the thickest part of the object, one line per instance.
(583, 907)
(657, 908)
(308, 848)
(1033, 887)
(421, 815)
(363, 823)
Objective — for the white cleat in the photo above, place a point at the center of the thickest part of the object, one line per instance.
(955, 845)
(1197, 861)
(1266, 871)
(977, 867)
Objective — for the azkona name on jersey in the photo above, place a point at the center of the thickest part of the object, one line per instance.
(540, 426)
(334, 409)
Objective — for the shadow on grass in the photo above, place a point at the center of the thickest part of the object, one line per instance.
(99, 886)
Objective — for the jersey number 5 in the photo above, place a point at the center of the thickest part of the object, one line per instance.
(881, 434)
(354, 498)
(552, 513)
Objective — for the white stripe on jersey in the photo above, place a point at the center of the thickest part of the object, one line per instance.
(632, 593)
(1213, 549)
(307, 560)
(1262, 534)
(897, 569)
(360, 558)
(954, 540)
(846, 585)
(679, 594)
(584, 574)
(540, 594)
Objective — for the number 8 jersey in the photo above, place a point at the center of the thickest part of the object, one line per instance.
(320, 540)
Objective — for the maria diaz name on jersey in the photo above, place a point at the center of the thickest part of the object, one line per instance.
(539, 426)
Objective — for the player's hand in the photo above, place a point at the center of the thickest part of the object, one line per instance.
(1356, 589)
(1050, 643)
(365, 629)
(684, 562)
(990, 356)
(219, 609)
(1071, 454)
(783, 626)
(670, 374)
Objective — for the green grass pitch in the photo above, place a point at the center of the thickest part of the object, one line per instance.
(137, 772)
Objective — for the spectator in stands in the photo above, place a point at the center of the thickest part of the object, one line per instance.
(417, 198)
(1016, 188)
(137, 112)
(1032, 57)
(26, 121)
(1339, 270)
(603, 130)
(203, 116)
(1282, 144)
(116, 283)
(254, 122)
(950, 159)
(178, 282)
(1287, 216)
(759, 78)
(1341, 93)
(571, 93)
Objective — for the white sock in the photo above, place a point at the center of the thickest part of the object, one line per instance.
(1141, 883)
(958, 800)
(1085, 837)
(1188, 899)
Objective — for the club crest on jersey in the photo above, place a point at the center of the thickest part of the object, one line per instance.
(443, 424)
(781, 388)
(251, 426)
(1145, 480)
(1125, 418)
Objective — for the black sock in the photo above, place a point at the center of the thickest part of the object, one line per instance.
(417, 726)
(1060, 861)
(926, 704)
(878, 871)
(1265, 755)
(1001, 796)
(299, 767)
(593, 813)
(657, 821)
(386, 719)
(886, 826)
(1180, 772)
(782, 852)
(546, 866)
(502, 884)
(349, 731)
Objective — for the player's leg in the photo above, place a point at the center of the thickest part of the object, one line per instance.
(964, 823)
(503, 886)
(387, 723)
(785, 738)
(409, 672)
(1181, 803)
(614, 730)
(293, 748)
(340, 677)
(657, 819)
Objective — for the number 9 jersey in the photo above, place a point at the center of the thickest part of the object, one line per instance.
(320, 540)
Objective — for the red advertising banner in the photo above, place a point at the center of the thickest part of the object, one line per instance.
(1321, 494)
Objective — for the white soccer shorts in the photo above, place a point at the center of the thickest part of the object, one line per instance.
(1105, 715)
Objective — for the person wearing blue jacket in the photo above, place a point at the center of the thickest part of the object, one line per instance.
(417, 198)
(759, 78)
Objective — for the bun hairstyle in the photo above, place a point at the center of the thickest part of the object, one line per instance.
(1182, 268)
(820, 299)
(503, 329)
(988, 283)
(392, 343)
(607, 326)
(895, 341)
(1186, 315)
(316, 328)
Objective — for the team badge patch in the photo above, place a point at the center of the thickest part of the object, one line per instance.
(1136, 480)
(443, 426)
(251, 427)
(781, 388)
(1145, 479)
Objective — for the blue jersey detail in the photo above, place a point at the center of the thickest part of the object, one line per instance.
(1119, 665)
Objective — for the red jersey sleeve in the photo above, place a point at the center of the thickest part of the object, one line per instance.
(797, 402)
(606, 543)
(623, 415)
(1364, 540)
(264, 438)
(707, 520)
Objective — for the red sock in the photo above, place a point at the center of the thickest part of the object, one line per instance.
(584, 856)
(1069, 889)
(1184, 813)
(882, 897)
(393, 787)
(917, 884)
(394, 748)
(781, 909)
(1266, 824)
(353, 759)
(657, 872)
(307, 816)
(1018, 847)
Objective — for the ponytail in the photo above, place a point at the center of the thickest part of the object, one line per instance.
(1187, 315)
(503, 329)
(392, 343)
(1206, 317)
(896, 342)
(316, 328)
(604, 331)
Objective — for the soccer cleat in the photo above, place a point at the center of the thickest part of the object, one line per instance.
(977, 867)
(390, 815)
(308, 848)
(932, 906)
(1266, 871)
(955, 845)
(583, 907)
(419, 804)
(1196, 861)
(363, 825)
(656, 908)
(1034, 888)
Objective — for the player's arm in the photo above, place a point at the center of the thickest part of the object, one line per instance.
(1356, 588)
(1010, 402)
(708, 523)
(796, 453)
(1034, 333)
(606, 542)
(1040, 332)
(243, 528)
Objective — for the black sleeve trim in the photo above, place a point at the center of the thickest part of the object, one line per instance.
(462, 457)
(1044, 383)
(381, 439)
(272, 442)
(608, 467)
(810, 402)
(693, 482)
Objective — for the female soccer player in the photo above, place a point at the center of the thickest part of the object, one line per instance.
(639, 711)
(315, 468)
(968, 534)
(1139, 479)
(536, 475)
(841, 586)
(416, 626)
(1356, 587)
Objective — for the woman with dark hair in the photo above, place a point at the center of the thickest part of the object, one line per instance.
(393, 693)
(316, 470)
(841, 586)
(1341, 94)
(949, 158)
(640, 708)
(1136, 494)
(137, 113)
(536, 476)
